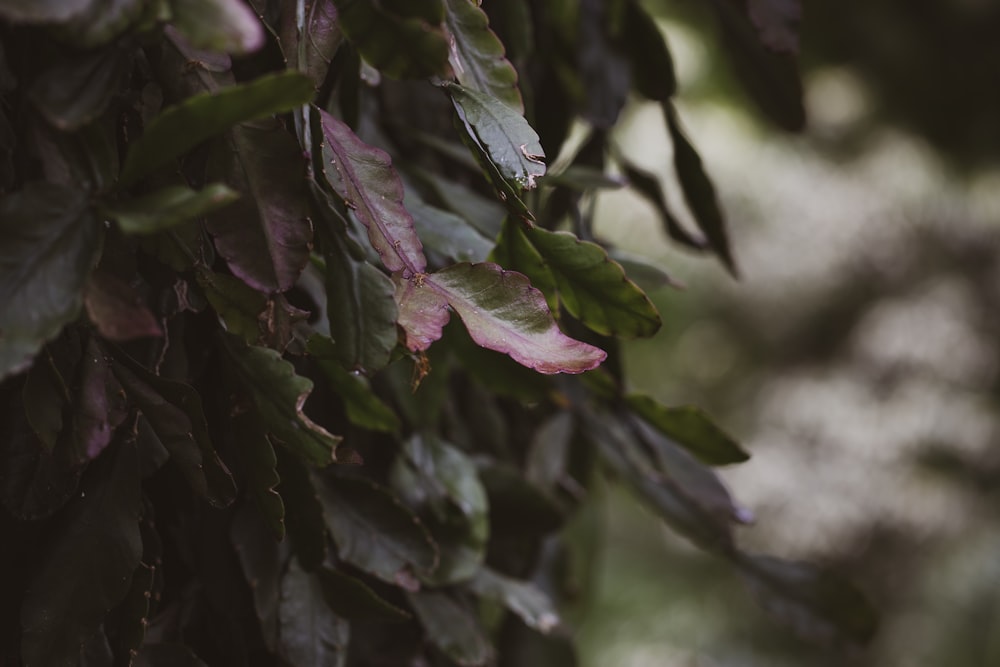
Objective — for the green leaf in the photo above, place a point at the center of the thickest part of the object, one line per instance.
(500, 310)
(238, 305)
(484, 214)
(503, 133)
(375, 532)
(42, 11)
(75, 92)
(86, 570)
(175, 413)
(259, 465)
(648, 55)
(353, 599)
(699, 193)
(593, 287)
(218, 25)
(265, 236)
(185, 125)
(167, 207)
(548, 453)
(364, 178)
(816, 603)
(690, 428)
(48, 243)
(648, 187)
(452, 626)
(447, 233)
(303, 512)
(116, 308)
(515, 252)
(309, 632)
(103, 21)
(478, 55)
(401, 45)
(262, 562)
(362, 406)
(279, 395)
(647, 275)
(521, 597)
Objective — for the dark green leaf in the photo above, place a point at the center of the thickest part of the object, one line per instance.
(48, 244)
(280, 395)
(265, 236)
(648, 56)
(583, 178)
(521, 597)
(363, 407)
(87, 569)
(515, 252)
(549, 451)
(647, 275)
(309, 633)
(218, 25)
(168, 207)
(103, 21)
(42, 11)
(375, 532)
(447, 233)
(116, 308)
(303, 513)
(603, 67)
(516, 504)
(690, 428)
(353, 599)
(648, 187)
(77, 91)
(478, 56)
(816, 603)
(452, 626)
(260, 470)
(484, 214)
(262, 562)
(183, 126)
(167, 655)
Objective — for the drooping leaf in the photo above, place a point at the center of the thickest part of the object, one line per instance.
(362, 406)
(503, 133)
(304, 519)
(515, 252)
(265, 236)
(260, 469)
(478, 56)
(353, 599)
(116, 308)
(310, 633)
(401, 45)
(87, 569)
(501, 311)
(185, 125)
(48, 244)
(280, 395)
(603, 65)
(174, 411)
(593, 287)
(364, 178)
(777, 22)
(690, 428)
(522, 598)
(75, 92)
(648, 187)
(41, 11)
(218, 25)
(648, 56)
(163, 209)
(699, 193)
(375, 532)
(816, 603)
(452, 626)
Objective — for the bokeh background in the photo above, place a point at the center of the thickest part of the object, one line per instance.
(857, 358)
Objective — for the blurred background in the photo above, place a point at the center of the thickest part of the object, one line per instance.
(857, 357)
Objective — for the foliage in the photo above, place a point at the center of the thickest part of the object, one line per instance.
(238, 426)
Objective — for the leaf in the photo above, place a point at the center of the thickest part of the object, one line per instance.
(116, 308)
(515, 252)
(447, 233)
(503, 133)
(102, 22)
(265, 236)
(451, 626)
(167, 654)
(262, 562)
(648, 56)
(312, 50)
(648, 187)
(517, 506)
(48, 243)
(303, 513)
(127, 623)
(593, 287)
(602, 67)
(484, 214)
(647, 275)
(259, 465)
(816, 603)
(690, 428)
(279, 395)
(501, 311)
(699, 193)
(86, 570)
(174, 412)
(777, 22)
(478, 55)
(310, 633)
(75, 92)
(168, 207)
(364, 178)
(521, 597)
(218, 25)
(185, 125)
(362, 406)
(41, 11)
(353, 599)
(375, 532)
(548, 453)
(402, 46)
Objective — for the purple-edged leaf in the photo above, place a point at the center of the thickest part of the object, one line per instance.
(265, 236)
(501, 311)
(478, 55)
(218, 25)
(117, 310)
(777, 22)
(311, 49)
(364, 178)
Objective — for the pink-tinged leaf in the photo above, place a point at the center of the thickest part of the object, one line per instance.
(364, 178)
(501, 311)
(117, 310)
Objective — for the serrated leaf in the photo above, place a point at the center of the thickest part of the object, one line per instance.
(452, 626)
(309, 632)
(648, 187)
(515, 252)
(691, 428)
(478, 57)
(501, 311)
(520, 597)
(238, 305)
(362, 406)
(364, 178)
(648, 55)
(402, 46)
(48, 243)
(815, 602)
(593, 287)
(116, 309)
(280, 395)
(259, 465)
(218, 25)
(504, 134)
(75, 92)
(175, 414)
(170, 206)
(42, 11)
(353, 599)
(86, 570)
(375, 532)
(265, 236)
(185, 125)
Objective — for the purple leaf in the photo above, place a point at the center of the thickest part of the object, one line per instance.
(364, 178)
(116, 309)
